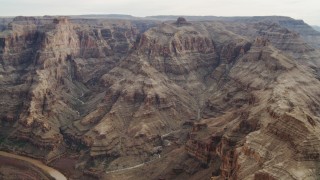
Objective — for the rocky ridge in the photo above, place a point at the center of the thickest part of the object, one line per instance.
(219, 99)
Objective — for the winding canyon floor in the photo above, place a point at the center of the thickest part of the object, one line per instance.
(20, 167)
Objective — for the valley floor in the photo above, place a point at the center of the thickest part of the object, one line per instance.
(13, 162)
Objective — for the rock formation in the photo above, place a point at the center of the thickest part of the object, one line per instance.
(181, 21)
(219, 99)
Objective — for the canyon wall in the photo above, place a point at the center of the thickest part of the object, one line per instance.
(220, 99)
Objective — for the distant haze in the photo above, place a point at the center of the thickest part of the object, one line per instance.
(316, 28)
(308, 10)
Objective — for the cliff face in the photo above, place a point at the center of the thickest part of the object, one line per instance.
(241, 99)
(273, 128)
(43, 75)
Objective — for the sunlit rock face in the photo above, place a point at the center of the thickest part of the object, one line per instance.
(233, 99)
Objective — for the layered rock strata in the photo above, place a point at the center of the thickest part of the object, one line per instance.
(231, 100)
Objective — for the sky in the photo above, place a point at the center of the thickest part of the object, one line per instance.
(307, 10)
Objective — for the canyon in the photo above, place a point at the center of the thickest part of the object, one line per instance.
(162, 97)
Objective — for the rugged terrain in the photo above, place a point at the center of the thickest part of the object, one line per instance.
(220, 98)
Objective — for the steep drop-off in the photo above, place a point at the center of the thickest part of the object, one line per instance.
(171, 100)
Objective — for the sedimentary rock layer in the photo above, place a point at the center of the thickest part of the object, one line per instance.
(221, 99)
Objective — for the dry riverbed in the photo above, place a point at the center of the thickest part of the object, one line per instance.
(16, 167)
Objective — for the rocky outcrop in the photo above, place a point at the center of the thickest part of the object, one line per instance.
(222, 99)
(182, 21)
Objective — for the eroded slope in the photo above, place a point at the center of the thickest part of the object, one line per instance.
(191, 99)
